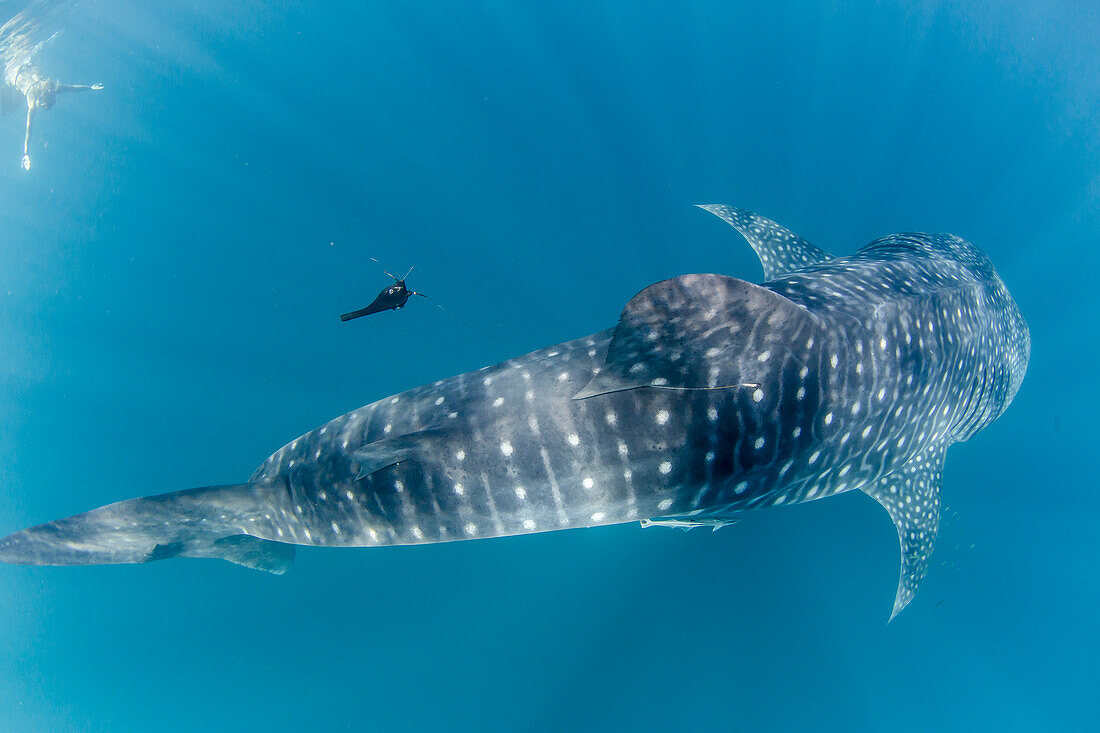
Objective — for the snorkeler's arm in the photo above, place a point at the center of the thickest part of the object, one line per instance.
(77, 87)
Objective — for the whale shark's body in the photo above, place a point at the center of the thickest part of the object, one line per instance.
(712, 396)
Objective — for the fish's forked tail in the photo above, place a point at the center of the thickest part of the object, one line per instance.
(207, 522)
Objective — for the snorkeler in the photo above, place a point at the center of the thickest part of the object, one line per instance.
(40, 92)
(390, 299)
(395, 296)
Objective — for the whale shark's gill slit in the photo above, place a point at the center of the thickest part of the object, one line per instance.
(975, 406)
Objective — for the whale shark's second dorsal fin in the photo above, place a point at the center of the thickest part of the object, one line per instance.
(911, 495)
(701, 332)
(375, 456)
(780, 251)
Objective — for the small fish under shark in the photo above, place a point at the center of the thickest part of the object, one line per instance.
(712, 396)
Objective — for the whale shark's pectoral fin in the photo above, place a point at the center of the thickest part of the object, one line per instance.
(700, 332)
(911, 495)
(373, 457)
(780, 251)
(686, 523)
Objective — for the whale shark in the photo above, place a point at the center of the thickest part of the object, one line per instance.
(711, 397)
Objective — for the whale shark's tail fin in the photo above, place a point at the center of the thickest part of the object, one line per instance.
(206, 522)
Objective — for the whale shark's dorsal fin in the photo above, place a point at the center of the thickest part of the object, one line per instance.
(780, 251)
(373, 457)
(911, 494)
(700, 332)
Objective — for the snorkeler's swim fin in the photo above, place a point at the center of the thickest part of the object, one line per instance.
(360, 313)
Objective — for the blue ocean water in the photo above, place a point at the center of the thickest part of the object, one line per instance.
(173, 265)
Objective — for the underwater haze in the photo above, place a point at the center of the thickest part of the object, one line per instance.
(174, 263)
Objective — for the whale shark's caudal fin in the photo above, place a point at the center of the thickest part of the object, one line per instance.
(207, 522)
(911, 495)
(780, 251)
